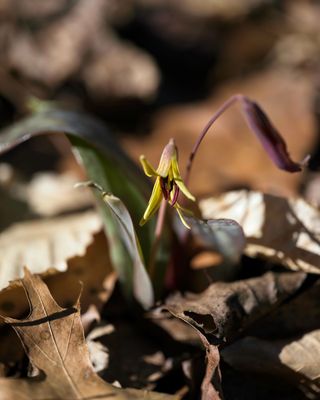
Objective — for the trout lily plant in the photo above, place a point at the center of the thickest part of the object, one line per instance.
(141, 256)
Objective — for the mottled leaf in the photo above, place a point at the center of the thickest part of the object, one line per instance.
(223, 236)
(141, 283)
(104, 162)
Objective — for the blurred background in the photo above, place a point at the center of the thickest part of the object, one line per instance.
(152, 70)
(156, 69)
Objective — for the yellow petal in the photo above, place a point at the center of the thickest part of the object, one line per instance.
(184, 210)
(147, 167)
(169, 152)
(178, 208)
(178, 180)
(154, 202)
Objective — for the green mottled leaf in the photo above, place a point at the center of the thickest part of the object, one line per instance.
(142, 287)
(105, 163)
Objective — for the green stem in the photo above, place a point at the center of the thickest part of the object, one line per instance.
(157, 238)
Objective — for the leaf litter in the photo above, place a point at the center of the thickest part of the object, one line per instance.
(223, 317)
(54, 341)
(248, 317)
(219, 316)
(291, 239)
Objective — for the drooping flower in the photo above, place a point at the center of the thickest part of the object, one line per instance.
(168, 183)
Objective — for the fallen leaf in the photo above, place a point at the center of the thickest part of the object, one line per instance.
(54, 341)
(49, 194)
(224, 310)
(209, 390)
(71, 35)
(291, 318)
(282, 230)
(295, 359)
(12, 209)
(99, 353)
(45, 244)
(90, 318)
(120, 70)
(98, 283)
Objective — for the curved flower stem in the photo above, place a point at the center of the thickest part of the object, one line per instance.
(157, 237)
(216, 115)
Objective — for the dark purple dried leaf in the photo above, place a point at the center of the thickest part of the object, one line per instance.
(269, 137)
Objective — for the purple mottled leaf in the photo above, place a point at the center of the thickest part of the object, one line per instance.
(224, 236)
(269, 137)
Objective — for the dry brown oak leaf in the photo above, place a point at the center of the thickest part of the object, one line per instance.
(54, 342)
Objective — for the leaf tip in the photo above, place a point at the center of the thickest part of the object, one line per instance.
(270, 138)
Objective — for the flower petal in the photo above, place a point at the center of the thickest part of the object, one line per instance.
(178, 208)
(178, 180)
(169, 152)
(147, 167)
(154, 202)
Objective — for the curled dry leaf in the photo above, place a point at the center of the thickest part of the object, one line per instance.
(270, 138)
(54, 340)
(45, 244)
(282, 230)
(226, 309)
(296, 359)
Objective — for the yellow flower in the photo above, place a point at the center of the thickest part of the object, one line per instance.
(168, 183)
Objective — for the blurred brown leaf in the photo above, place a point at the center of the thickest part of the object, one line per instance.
(54, 340)
(45, 244)
(49, 194)
(56, 52)
(226, 309)
(282, 230)
(74, 40)
(291, 318)
(296, 359)
(93, 269)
